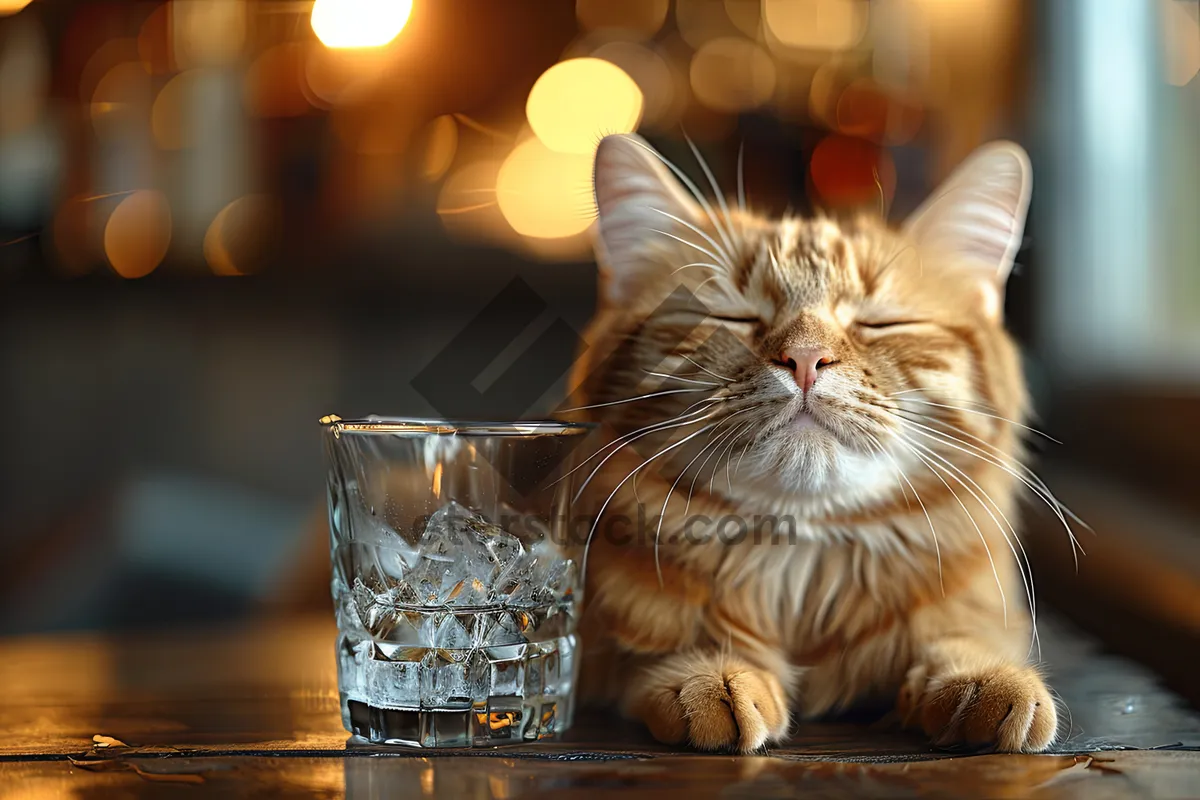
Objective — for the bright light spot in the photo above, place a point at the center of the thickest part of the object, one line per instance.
(359, 23)
(138, 234)
(442, 138)
(12, 6)
(545, 194)
(1181, 40)
(577, 102)
(167, 114)
(339, 77)
(639, 16)
(662, 106)
(242, 235)
(732, 75)
(816, 24)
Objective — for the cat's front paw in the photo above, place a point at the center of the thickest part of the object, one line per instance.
(1006, 707)
(714, 705)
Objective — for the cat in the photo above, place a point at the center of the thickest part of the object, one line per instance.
(850, 383)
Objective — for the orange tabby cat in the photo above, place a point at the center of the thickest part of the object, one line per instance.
(825, 415)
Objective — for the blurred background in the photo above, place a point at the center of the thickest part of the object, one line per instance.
(223, 219)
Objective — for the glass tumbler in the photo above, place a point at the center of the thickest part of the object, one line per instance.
(455, 583)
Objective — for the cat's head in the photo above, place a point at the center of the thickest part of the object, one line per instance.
(804, 354)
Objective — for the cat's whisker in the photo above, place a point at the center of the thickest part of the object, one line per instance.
(749, 443)
(715, 443)
(703, 368)
(982, 414)
(1002, 460)
(932, 530)
(1025, 569)
(1042, 493)
(663, 514)
(687, 242)
(704, 264)
(728, 452)
(599, 514)
(712, 181)
(683, 418)
(724, 457)
(631, 399)
(691, 186)
(1033, 476)
(971, 518)
(724, 258)
(700, 416)
(679, 378)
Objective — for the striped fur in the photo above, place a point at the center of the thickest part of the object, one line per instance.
(717, 639)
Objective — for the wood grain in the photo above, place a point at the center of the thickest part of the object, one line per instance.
(252, 711)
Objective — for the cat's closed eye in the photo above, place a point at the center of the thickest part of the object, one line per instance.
(891, 323)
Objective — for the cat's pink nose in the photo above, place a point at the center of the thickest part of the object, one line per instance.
(805, 362)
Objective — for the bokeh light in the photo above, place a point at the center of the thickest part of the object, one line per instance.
(168, 120)
(847, 172)
(275, 83)
(816, 24)
(242, 235)
(732, 75)
(121, 99)
(138, 233)
(8, 7)
(662, 104)
(340, 77)
(865, 111)
(543, 193)
(441, 143)
(701, 21)
(746, 15)
(349, 24)
(577, 102)
(644, 17)
(207, 33)
(154, 41)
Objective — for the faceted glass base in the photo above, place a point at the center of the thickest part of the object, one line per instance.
(463, 697)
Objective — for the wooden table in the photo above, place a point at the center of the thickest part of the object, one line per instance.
(254, 712)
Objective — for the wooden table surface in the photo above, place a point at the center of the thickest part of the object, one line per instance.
(254, 712)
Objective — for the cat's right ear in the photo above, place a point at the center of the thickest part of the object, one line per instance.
(641, 207)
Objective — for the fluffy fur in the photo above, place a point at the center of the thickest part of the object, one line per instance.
(816, 549)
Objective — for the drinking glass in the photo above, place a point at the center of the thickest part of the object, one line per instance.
(455, 582)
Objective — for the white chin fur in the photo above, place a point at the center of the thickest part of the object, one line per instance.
(808, 471)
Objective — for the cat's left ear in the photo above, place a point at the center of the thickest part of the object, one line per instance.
(977, 215)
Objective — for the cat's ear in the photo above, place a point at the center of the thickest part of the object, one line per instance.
(977, 215)
(643, 215)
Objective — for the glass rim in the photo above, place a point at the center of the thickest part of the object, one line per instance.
(418, 426)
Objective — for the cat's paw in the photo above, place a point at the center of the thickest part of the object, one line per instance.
(1005, 707)
(718, 706)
